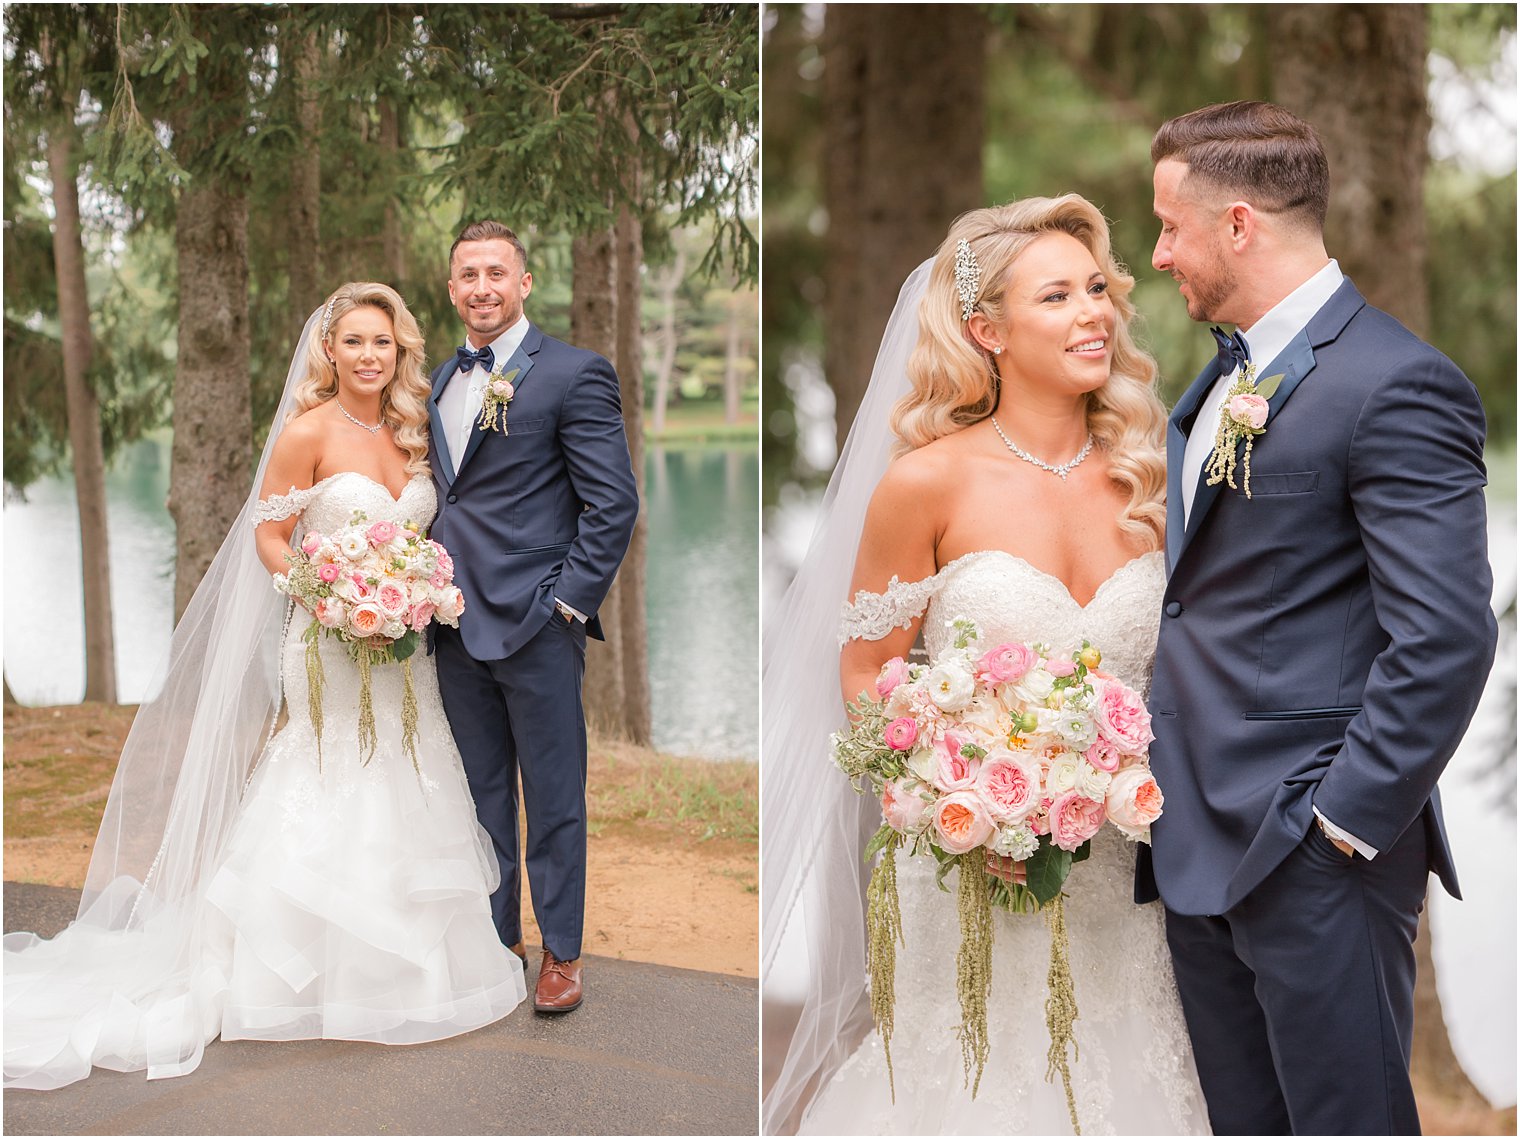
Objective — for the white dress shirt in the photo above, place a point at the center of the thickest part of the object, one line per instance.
(1265, 339)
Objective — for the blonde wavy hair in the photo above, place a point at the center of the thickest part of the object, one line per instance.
(955, 381)
(403, 403)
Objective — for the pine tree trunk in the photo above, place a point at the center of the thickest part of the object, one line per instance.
(1357, 72)
(731, 386)
(392, 242)
(211, 462)
(83, 413)
(903, 138)
(631, 577)
(307, 289)
(593, 325)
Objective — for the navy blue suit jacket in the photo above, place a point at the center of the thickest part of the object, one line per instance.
(545, 511)
(1323, 643)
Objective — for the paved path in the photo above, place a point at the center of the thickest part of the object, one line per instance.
(654, 1050)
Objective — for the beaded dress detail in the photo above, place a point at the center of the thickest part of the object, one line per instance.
(350, 901)
(1134, 1072)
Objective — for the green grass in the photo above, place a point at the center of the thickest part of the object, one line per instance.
(702, 422)
(1500, 460)
(703, 799)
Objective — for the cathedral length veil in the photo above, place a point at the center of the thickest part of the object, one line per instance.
(174, 798)
(815, 826)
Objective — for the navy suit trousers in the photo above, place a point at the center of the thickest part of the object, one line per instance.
(521, 717)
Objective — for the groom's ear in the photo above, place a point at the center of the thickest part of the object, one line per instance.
(1240, 224)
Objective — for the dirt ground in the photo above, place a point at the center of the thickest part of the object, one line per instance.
(672, 873)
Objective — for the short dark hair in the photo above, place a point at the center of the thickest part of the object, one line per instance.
(488, 230)
(1261, 151)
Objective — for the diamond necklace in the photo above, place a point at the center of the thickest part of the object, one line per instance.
(373, 430)
(1063, 470)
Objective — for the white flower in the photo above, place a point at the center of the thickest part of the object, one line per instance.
(1093, 783)
(1076, 729)
(987, 722)
(353, 544)
(1035, 687)
(923, 763)
(1016, 842)
(951, 685)
(1065, 770)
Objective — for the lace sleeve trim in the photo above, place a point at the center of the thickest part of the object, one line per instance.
(278, 507)
(871, 616)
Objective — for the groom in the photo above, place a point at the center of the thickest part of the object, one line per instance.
(1323, 643)
(537, 510)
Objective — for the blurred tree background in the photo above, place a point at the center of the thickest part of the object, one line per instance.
(185, 183)
(1066, 98)
(881, 124)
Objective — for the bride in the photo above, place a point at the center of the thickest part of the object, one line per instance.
(1024, 491)
(245, 884)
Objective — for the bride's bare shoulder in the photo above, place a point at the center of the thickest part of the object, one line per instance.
(922, 474)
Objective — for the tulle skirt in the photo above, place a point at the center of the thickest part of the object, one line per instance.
(350, 902)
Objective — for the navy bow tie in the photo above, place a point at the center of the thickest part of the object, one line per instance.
(485, 358)
(1233, 352)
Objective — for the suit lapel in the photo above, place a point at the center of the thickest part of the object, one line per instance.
(1293, 363)
(1177, 426)
(522, 360)
(435, 421)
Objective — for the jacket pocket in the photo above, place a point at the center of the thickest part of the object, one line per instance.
(1292, 482)
(1303, 714)
(525, 427)
(558, 548)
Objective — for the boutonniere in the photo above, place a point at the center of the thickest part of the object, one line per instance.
(1243, 417)
(495, 398)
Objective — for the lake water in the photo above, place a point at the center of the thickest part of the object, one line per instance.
(703, 591)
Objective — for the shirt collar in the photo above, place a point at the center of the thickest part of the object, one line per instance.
(1284, 320)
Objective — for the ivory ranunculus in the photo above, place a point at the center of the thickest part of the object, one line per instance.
(962, 822)
(950, 685)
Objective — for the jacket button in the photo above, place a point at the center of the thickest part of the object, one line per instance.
(1173, 608)
(455, 498)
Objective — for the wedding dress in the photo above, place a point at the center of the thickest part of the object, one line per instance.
(349, 900)
(1134, 1070)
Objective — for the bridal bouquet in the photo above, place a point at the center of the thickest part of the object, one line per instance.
(374, 586)
(1009, 752)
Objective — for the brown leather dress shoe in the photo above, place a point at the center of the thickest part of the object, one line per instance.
(559, 985)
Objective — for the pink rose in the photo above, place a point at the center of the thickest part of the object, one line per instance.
(1134, 802)
(439, 580)
(311, 543)
(952, 770)
(893, 673)
(328, 572)
(901, 733)
(501, 389)
(904, 806)
(962, 821)
(1006, 663)
(1121, 718)
(1074, 819)
(450, 604)
(329, 613)
(1249, 411)
(1103, 755)
(445, 564)
(422, 613)
(366, 620)
(1059, 668)
(381, 533)
(1009, 783)
(1039, 822)
(392, 599)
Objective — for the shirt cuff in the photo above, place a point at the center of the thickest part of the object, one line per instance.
(574, 612)
(1357, 844)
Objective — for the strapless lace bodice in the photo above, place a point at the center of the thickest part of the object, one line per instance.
(1010, 600)
(330, 504)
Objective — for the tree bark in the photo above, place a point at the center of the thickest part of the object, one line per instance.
(83, 411)
(211, 462)
(732, 387)
(307, 289)
(593, 325)
(903, 139)
(670, 284)
(1357, 72)
(637, 723)
(393, 244)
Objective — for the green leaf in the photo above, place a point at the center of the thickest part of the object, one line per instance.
(1045, 871)
(1268, 387)
(405, 645)
(1082, 852)
(879, 842)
